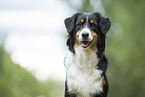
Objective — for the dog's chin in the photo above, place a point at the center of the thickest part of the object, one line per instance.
(86, 43)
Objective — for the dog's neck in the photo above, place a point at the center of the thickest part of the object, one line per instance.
(85, 57)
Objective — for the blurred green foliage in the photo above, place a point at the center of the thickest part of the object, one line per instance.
(125, 45)
(125, 50)
(15, 81)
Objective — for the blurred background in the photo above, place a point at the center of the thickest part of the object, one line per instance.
(32, 46)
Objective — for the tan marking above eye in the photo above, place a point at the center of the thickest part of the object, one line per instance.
(91, 21)
(82, 20)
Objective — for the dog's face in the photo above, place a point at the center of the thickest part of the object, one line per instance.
(87, 30)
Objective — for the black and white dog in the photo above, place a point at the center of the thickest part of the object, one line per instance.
(85, 61)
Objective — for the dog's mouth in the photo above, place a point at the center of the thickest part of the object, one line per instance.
(86, 43)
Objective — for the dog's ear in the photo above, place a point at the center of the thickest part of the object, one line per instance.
(104, 23)
(70, 23)
(104, 26)
(70, 26)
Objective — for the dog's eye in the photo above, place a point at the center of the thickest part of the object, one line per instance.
(80, 23)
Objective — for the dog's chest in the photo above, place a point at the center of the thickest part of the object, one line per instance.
(82, 76)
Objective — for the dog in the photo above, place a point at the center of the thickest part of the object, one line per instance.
(85, 61)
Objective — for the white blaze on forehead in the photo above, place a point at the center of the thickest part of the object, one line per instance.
(87, 18)
(86, 21)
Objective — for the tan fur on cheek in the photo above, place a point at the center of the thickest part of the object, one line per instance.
(94, 44)
(77, 34)
(76, 38)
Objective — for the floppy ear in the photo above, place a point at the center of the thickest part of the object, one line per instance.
(104, 23)
(70, 26)
(70, 23)
(104, 26)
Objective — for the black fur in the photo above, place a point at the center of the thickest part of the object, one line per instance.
(67, 93)
(105, 89)
(102, 25)
(70, 26)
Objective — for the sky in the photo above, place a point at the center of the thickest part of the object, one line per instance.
(36, 35)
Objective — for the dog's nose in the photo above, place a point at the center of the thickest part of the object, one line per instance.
(85, 34)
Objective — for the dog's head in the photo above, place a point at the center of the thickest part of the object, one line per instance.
(88, 30)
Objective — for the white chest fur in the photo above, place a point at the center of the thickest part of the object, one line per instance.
(82, 76)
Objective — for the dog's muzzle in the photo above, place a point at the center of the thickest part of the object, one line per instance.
(85, 38)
